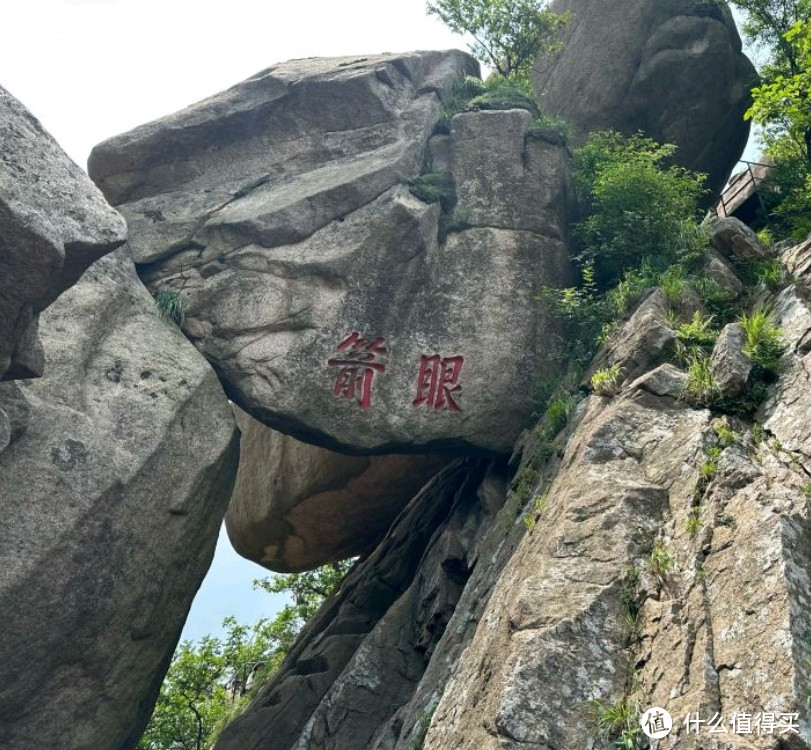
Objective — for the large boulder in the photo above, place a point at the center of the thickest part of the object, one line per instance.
(334, 304)
(674, 70)
(53, 224)
(296, 506)
(117, 468)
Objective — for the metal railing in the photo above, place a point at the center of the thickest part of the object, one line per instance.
(741, 184)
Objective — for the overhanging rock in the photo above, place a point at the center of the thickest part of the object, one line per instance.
(334, 304)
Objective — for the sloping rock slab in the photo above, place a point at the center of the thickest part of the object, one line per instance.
(114, 484)
(319, 287)
(296, 506)
(674, 70)
(53, 224)
(366, 649)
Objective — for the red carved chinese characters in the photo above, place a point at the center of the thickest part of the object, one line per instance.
(438, 382)
(359, 361)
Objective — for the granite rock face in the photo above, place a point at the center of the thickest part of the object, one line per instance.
(733, 239)
(335, 305)
(730, 366)
(674, 70)
(116, 470)
(297, 506)
(53, 224)
(617, 569)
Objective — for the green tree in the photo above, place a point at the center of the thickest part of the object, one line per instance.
(781, 106)
(211, 681)
(638, 208)
(508, 35)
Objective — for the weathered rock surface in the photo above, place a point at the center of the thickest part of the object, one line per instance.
(638, 576)
(645, 341)
(674, 70)
(114, 482)
(53, 224)
(297, 506)
(720, 271)
(733, 239)
(730, 366)
(367, 649)
(318, 286)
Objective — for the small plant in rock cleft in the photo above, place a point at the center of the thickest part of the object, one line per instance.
(421, 729)
(764, 342)
(701, 389)
(607, 381)
(697, 333)
(170, 306)
(693, 524)
(619, 723)
(538, 507)
(660, 562)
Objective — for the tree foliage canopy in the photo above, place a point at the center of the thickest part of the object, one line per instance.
(211, 681)
(781, 107)
(508, 35)
(635, 203)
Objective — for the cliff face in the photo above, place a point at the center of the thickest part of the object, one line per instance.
(357, 279)
(489, 630)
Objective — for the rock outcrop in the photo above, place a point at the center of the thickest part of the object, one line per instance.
(334, 304)
(297, 506)
(53, 224)
(674, 70)
(116, 468)
(654, 553)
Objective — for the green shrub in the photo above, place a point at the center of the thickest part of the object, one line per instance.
(660, 560)
(710, 467)
(557, 414)
(701, 388)
(636, 205)
(170, 306)
(672, 282)
(629, 596)
(697, 333)
(435, 187)
(767, 272)
(786, 191)
(726, 435)
(764, 341)
(606, 382)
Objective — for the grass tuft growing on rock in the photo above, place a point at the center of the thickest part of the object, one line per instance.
(660, 561)
(619, 722)
(701, 389)
(170, 306)
(606, 382)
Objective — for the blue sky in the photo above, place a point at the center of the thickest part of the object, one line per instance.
(90, 69)
(228, 590)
